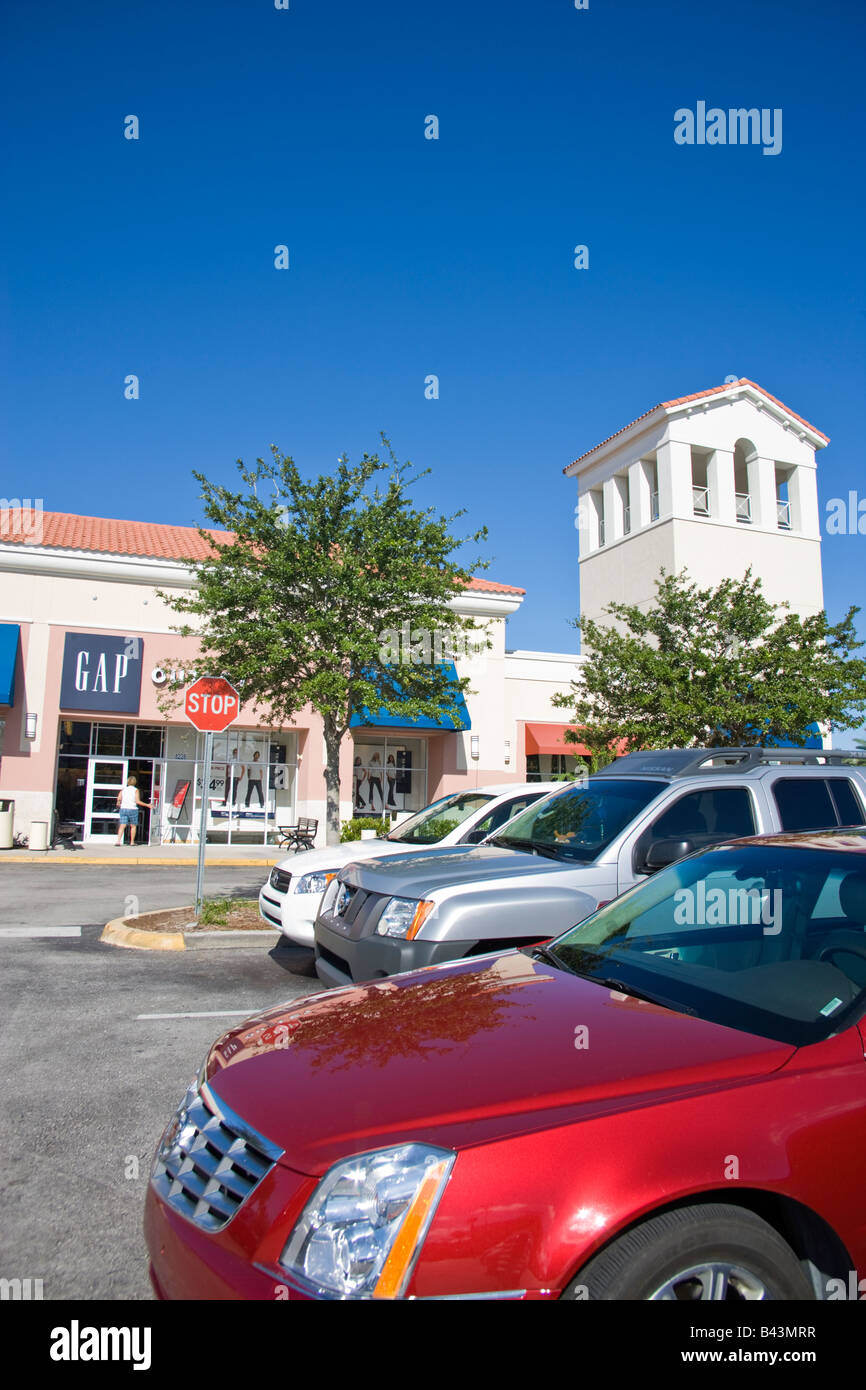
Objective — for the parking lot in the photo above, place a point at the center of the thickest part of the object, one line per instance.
(97, 1045)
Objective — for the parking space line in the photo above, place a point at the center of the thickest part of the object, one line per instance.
(12, 932)
(214, 1013)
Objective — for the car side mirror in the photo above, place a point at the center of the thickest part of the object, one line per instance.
(474, 837)
(661, 853)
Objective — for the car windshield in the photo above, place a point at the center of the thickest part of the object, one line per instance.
(580, 821)
(436, 821)
(769, 939)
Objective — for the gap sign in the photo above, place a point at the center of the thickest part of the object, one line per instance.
(211, 704)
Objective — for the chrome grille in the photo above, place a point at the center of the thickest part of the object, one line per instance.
(210, 1160)
(280, 880)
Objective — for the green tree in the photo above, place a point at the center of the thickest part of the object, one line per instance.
(713, 667)
(298, 602)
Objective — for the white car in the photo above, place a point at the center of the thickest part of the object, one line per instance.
(290, 898)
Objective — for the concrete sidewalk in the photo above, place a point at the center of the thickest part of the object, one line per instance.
(174, 856)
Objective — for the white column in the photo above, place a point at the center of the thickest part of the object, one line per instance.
(803, 496)
(589, 523)
(613, 530)
(762, 491)
(720, 480)
(675, 479)
(639, 495)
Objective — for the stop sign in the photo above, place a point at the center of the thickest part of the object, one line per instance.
(211, 704)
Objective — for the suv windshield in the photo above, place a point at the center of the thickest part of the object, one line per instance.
(768, 939)
(439, 819)
(580, 821)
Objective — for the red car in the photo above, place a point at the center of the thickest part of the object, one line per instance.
(668, 1102)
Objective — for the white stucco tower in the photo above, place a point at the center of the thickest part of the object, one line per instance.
(712, 483)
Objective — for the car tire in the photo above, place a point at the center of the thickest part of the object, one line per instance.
(711, 1252)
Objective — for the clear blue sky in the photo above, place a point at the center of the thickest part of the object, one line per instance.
(409, 257)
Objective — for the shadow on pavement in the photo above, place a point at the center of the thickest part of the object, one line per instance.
(298, 960)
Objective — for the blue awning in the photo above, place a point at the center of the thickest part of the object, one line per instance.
(383, 720)
(9, 637)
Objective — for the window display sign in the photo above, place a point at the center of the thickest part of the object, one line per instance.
(101, 672)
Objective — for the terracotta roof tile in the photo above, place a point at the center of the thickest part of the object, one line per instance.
(99, 535)
(699, 396)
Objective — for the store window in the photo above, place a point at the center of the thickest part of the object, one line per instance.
(545, 767)
(389, 776)
(250, 794)
(74, 737)
(108, 740)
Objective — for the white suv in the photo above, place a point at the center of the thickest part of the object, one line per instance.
(291, 896)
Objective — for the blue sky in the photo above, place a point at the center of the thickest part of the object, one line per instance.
(412, 256)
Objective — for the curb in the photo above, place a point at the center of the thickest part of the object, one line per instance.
(118, 932)
(74, 861)
(228, 940)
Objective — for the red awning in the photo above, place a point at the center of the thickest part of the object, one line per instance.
(550, 738)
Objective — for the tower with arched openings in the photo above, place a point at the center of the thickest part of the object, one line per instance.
(712, 483)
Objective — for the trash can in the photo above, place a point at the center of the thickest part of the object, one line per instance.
(39, 834)
(7, 815)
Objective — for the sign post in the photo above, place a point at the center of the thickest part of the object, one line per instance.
(211, 705)
(202, 829)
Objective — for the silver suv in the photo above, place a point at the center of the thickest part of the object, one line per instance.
(578, 847)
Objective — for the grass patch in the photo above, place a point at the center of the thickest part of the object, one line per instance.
(215, 911)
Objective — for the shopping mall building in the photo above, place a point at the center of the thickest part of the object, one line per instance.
(87, 658)
(714, 482)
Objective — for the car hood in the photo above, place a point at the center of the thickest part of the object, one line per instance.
(463, 1054)
(416, 873)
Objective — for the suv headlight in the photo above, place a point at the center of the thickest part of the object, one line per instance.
(315, 882)
(404, 917)
(360, 1234)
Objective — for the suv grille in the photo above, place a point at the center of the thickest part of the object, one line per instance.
(280, 880)
(210, 1160)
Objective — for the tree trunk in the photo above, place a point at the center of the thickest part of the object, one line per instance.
(333, 739)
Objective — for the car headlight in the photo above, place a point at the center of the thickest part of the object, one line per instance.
(404, 917)
(362, 1230)
(315, 882)
(331, 892)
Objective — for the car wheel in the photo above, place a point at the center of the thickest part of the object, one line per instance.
(711, 1253)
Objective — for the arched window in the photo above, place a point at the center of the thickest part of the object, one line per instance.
(745, 454)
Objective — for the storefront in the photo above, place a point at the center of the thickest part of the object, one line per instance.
(250, 792)
(548, 754)
(389, 775)
(90, 662)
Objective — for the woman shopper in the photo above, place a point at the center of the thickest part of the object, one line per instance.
(128, 802)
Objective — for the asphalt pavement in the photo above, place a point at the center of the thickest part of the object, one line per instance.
(88, 1082)
(50, 895)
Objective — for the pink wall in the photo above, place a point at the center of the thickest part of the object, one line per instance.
(32, 769)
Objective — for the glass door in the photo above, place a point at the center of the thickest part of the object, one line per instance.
(105, 778)
(156, 803)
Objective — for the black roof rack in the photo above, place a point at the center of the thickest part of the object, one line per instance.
(683, 762)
